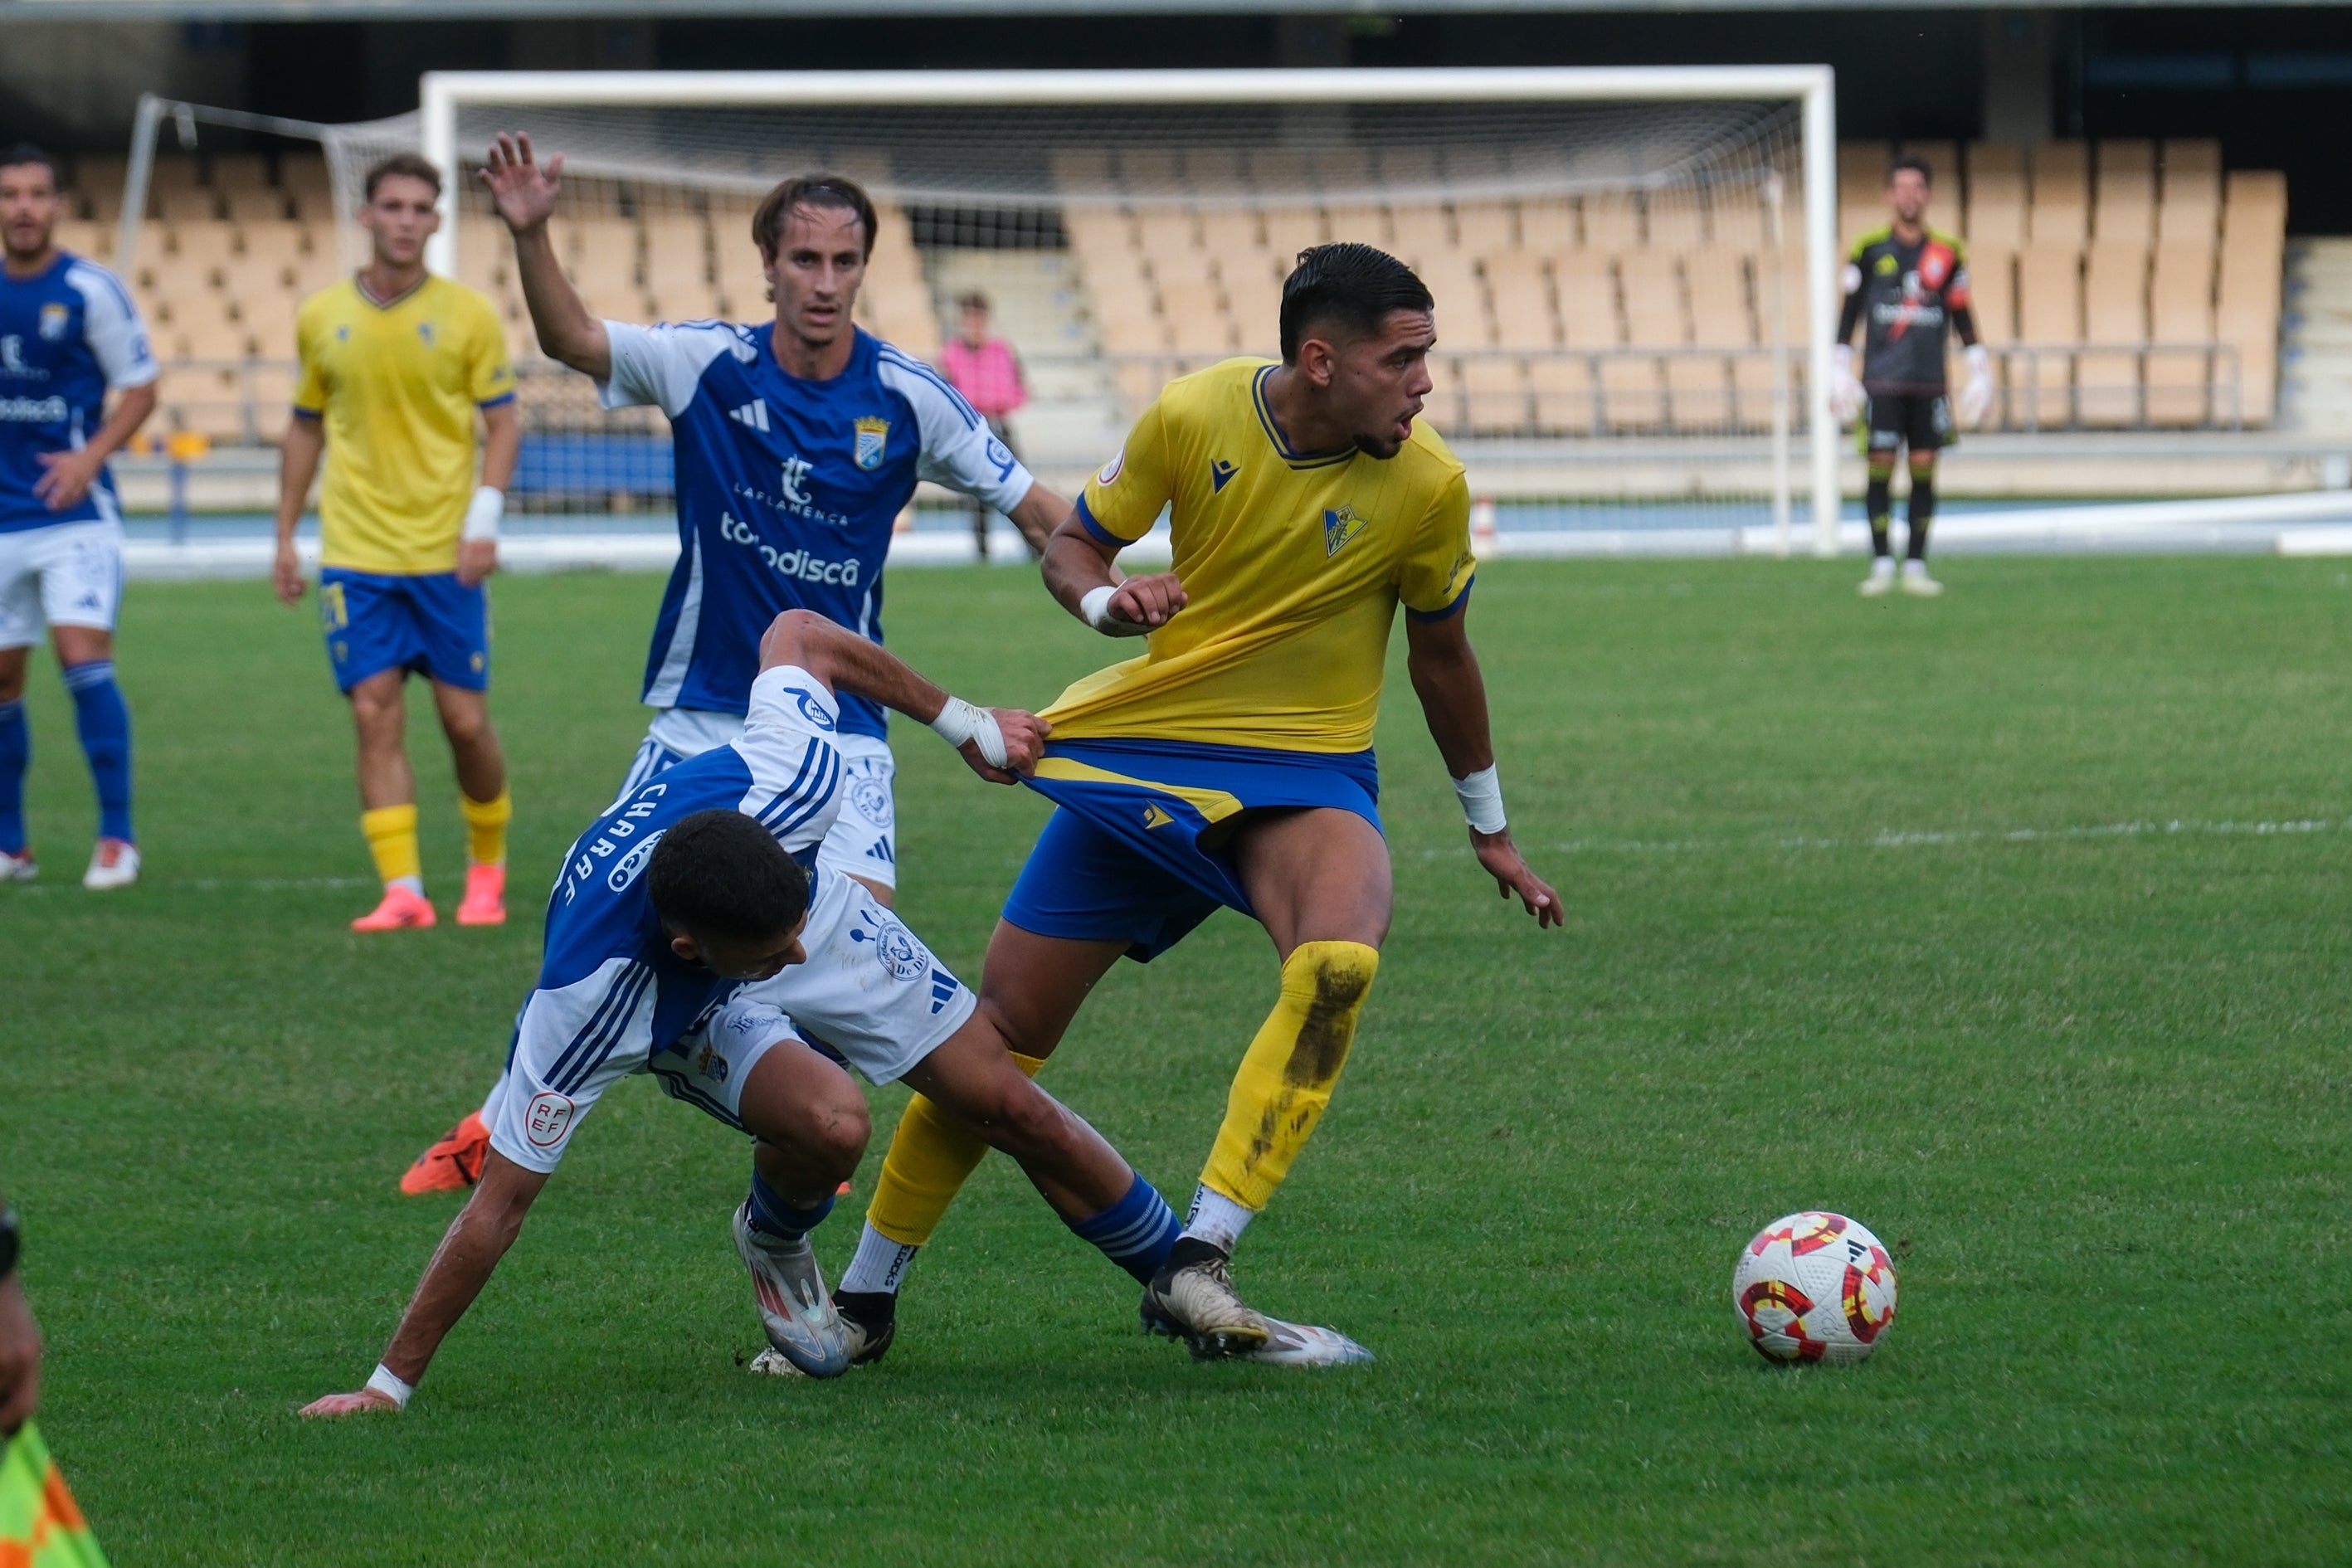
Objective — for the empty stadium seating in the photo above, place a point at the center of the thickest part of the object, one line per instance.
(2129, 283)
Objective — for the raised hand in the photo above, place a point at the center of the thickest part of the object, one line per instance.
(1512, 874)
(523, 188)
(354, 1404)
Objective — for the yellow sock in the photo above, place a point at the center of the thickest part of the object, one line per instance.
(392, 838)
(931, 1156)
(485, 827)
(1287, 1076)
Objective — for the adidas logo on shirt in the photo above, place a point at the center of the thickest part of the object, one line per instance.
(754, 414)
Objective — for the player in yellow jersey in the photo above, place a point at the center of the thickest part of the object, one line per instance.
(395, 363)
(1232, 763)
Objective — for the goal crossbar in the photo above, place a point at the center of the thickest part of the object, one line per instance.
(442, 93)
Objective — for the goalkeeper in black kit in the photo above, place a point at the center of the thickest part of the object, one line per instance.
(1910, 284)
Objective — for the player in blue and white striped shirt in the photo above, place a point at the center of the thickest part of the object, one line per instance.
(694, 936)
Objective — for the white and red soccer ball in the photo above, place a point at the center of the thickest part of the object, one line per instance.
(1814, 1287)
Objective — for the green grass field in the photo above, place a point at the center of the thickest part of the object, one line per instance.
(1976, 920)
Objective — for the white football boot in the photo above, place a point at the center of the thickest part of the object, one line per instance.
(113, 864)
(795, 1307)
(18, 868)
(1917, 580)
(1306, 1344)
(1198, 1305)
(1881, 579)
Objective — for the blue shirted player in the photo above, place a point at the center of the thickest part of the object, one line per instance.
(691, 936)
(798, 442)
(69, 335)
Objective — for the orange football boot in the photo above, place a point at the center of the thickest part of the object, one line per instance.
(485, 903)
(401, 910)
(454, 1162)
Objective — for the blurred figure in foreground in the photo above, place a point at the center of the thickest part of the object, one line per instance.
(988, 373)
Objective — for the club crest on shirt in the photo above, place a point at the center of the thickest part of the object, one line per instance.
(424, 334)
(1339, 526)
(53, 321)
(873, 441)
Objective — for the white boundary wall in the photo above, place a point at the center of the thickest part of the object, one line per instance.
(441, 93)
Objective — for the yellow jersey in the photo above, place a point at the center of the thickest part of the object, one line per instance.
(397, 385)
(1293, 565)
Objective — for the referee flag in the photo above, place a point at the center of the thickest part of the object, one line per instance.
(39, 1525)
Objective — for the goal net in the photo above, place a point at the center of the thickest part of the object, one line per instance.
(1629, 296)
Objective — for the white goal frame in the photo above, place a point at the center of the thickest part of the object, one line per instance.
(441, 93)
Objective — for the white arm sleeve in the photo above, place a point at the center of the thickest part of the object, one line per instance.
(116, 337)
(787, 745)
(663, 364)
(960, 451)
(572, 1044)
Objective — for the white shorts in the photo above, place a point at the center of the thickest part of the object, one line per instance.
(865, 837)
(67, 574)
(870, 993)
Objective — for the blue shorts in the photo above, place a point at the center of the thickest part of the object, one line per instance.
(1139, 849)
(429, 623)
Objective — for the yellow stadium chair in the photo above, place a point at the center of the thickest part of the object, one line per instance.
(2115, 310)
(1194, 313)
(2058, 210)
(1995, 214)
(1547, 226)
(1612, 223)
(1495, 396)
(1518, 283)
(1362, 223)
(2049, 311)
(1562, 388)
(1487, 227)
(1422, 230)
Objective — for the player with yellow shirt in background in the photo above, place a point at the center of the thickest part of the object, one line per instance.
(395, 362)
(1231, 764)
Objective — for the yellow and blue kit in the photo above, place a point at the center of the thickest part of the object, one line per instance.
(398, 384)
(1261, 691)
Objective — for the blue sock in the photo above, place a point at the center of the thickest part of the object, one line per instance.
(1134, 1232)
(771, 1214)
(15, 756)
(104, 724)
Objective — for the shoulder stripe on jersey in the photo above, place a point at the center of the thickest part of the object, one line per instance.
(795, 804)
(603, 1030)
(903, 360)
(113, 284)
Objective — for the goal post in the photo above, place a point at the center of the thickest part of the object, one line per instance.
(920, 108)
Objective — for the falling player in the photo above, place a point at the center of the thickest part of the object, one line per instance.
(1910, 284)
(797, 443)
(395, 363)
(1231, 764)
(68, 336)
(695, 935)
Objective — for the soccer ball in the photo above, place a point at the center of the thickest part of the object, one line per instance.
(1814, 1287)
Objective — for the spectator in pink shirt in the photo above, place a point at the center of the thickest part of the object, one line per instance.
(988, 373)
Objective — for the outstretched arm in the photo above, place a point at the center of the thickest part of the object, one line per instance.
(461, 1266)
(1453, 693)
(847, 662)
(1041, 512)
(524, 190)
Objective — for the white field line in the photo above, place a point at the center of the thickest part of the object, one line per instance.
(1919, 837)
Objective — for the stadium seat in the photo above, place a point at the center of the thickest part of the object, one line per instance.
(1518, 286)
(1168, 234)
(1674, 220)
(2253, 244)
(2191, 209)
(1362, 223)
(1291, 229)
(2059, 210)
(1080, 168)
(2180, 312)
(1613, 225)
(1585, 284)
(1562, 385)
(1737, 220)
(1229, 232)
(1549, 228)
(2124, 205)
(1196, 315)
(2115, 310)
(1421, 230)
(1993, 301)
(2049, 312)
(1465, 320)
(1495, 394)
(1486, 227)
(1994, 213)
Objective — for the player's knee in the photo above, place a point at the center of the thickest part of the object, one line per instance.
(466, 724)
(836, 1132)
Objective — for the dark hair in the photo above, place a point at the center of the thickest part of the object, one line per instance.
(975, 301)
(405, 164)
(24, 152)
(1909, 161)
(1353, 285)
(719, 873)
(809, 191)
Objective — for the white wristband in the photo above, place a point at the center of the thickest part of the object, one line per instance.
(960, 721)
(1095, 607)
(482, 515)
(386, 1381)
(1482, 800)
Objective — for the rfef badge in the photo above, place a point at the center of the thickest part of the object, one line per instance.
(873, 442)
